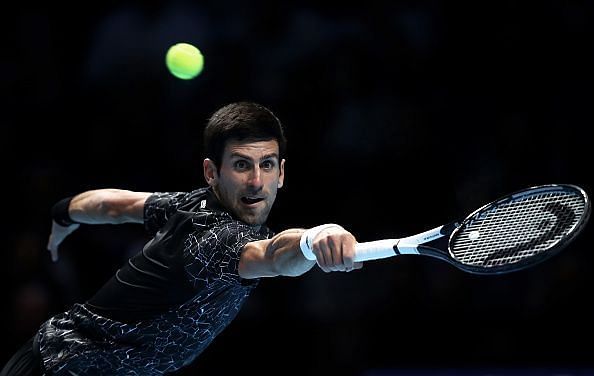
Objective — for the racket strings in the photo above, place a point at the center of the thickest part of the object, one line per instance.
(512, 230)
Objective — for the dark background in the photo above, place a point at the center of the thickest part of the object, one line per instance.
(401, 116)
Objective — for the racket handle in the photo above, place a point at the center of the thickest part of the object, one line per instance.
(375, 250)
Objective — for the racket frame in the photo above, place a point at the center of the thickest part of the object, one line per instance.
(437, 241)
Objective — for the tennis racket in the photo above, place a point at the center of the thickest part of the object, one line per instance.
(512, 233)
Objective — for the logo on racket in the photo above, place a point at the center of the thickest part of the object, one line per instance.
(565, 216)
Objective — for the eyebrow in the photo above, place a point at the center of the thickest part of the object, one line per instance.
(265, 157)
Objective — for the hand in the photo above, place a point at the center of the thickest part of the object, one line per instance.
(334, 248)
(58, 234)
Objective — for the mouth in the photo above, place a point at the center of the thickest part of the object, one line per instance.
(251, 200)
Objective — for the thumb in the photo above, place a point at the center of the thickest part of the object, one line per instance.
(53, 249)
(54, 254)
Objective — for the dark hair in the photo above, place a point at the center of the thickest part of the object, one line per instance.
(241, 121)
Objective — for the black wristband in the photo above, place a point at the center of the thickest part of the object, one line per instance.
(60, 212)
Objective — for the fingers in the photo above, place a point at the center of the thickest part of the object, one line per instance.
(57, 236)
(335, 251)
(52, 247)
(327, 255)
(54, 254)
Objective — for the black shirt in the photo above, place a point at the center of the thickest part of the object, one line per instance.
(167, 303)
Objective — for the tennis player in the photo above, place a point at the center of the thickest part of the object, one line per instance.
(208, 250)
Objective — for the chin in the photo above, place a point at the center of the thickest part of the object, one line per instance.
(253, 220)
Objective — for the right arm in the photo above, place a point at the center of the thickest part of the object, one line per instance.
(100, 206)
(334, 249)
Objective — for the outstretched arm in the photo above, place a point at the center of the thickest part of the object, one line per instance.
(334, 248)
(100, 206)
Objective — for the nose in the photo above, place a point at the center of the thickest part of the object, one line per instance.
(255, 178)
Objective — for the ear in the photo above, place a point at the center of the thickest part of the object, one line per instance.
(281, 176)
(210, 172)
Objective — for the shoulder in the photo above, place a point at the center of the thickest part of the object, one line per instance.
(183, 200)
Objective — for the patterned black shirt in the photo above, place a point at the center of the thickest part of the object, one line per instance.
(167, 303)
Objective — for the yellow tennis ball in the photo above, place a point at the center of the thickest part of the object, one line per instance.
(184, 61)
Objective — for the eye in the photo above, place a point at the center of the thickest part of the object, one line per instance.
(268, 165)
(241, 165)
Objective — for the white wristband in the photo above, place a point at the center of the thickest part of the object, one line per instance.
(308, 237)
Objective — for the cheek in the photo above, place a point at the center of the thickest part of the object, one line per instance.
(226, 176)
(273, 187)
(231, 183)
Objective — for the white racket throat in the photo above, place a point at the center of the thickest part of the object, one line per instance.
(379, 249)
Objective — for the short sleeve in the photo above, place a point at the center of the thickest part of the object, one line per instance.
(214, 256)
(159, 207)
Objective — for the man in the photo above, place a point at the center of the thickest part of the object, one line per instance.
(208, 251)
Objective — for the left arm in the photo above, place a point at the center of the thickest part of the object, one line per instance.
(103, 206)
(99, 206)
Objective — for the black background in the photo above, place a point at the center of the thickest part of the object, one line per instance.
(400, 116)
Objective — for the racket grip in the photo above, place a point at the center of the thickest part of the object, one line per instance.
(375, 250)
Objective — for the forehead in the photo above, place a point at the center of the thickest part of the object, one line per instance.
(254, 149)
